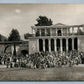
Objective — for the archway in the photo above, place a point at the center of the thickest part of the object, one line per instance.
(70, 44)
(59, 33)
(46, 45)
(52, 44)
(24, 52)
(40, 45)
(75, 44)
(6, 48)
(64, 44)
(58, 45)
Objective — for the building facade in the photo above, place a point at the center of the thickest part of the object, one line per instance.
(58, 37)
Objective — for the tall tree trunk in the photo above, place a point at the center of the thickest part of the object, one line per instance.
(14, 52)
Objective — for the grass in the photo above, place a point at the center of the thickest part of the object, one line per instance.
(54, 74)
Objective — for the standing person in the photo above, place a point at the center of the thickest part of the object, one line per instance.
(8, 62)
(11, 64)
(4, 58)
(0, 59)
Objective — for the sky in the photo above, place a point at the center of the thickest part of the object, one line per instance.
(23, 16)
(41, 1)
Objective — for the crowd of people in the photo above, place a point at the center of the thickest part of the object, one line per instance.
(59, 59)
(44, 59)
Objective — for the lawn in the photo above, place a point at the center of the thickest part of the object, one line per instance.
(21, 74)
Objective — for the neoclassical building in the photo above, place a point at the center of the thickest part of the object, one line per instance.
(58, 37)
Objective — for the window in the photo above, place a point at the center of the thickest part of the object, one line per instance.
(47, 32)
(59, 33)
(42, 32)
(53, 32)
(38, 32)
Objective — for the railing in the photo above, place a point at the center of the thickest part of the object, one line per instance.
(62, 34)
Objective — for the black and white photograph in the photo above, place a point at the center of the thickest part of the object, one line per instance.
(42, 42)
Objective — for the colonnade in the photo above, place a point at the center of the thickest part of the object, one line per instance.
(56, 30)
(58, 44)
(65, 31)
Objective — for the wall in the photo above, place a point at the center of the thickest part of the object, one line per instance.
(81, 43)
(33, 45)
(17, 48)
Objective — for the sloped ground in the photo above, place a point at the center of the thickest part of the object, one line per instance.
(64, 73)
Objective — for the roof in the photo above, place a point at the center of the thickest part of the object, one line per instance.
(13, 42)
(58, 25)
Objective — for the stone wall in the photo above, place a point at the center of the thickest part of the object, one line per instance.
(33, 46)
(81, 43)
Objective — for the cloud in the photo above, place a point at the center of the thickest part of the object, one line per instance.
(17, 11)
(22, 17)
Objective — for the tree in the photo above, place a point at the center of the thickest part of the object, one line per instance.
(14, 36)
(0, 37)
(27, 35)
(43, 21)
(3, 38)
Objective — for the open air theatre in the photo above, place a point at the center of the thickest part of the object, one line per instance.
(58, 37)
(51, 40)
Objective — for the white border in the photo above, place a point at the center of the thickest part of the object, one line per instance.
(41, 1)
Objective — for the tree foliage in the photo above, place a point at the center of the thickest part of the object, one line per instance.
(27, 35)
(0, 37)
(43, 21)
(3, 38)
(14, 35)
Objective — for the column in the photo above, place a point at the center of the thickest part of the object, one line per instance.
(78, 44)
(62, 31)
(50, 32)
(67, 45)
(55, 46)
(45, 32)
(78, 30)
(56, 31)
(72, 30)
(37, 45)
(40, 31)
(60, 44)
(44, 45)
(49, 45)
(72, 43)
(67, 31)
(32, 30)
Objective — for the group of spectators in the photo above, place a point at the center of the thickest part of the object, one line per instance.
(45, 59)
(59, 59)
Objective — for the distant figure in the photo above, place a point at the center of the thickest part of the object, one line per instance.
(0, 60)
(8, 62)
(11, 65)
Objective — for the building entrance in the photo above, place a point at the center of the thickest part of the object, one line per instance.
(58, 45)
(75, 44)
(46, 45)
(59, 33)
(64, 44)
(70, 44)
(40, 45)
(82, 60)
(52, 44)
